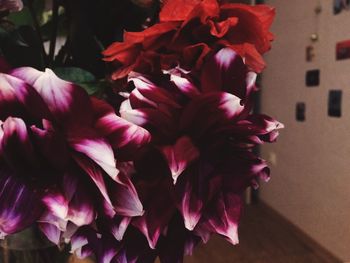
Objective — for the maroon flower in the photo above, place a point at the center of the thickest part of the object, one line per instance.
(192, 173)
(56, 168)
(188, 31)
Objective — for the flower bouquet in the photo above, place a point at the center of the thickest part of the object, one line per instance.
(156, 162)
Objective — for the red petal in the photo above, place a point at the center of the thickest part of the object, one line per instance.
(177, 10)
(253, 25)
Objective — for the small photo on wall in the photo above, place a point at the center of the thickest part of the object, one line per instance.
(312, 78)
(343, 50)
(340, 5)
(334, 103)
(300, 111)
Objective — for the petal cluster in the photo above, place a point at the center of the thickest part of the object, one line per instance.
(198, 160)
(57, 168)
(188, 31)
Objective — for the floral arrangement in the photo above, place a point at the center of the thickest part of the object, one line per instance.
(157, 162)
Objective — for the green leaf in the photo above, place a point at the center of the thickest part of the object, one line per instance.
(74, 74)
(21, 18)
(91, 88)
(81, 77)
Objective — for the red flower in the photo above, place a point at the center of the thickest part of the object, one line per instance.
(188, 31)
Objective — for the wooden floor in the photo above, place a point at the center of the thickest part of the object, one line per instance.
(265, 237)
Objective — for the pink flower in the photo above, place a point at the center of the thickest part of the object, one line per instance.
(56, 168)
(191, 175)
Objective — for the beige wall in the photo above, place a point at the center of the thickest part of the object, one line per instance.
(310, 164)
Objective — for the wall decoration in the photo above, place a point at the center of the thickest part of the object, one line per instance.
(340, 5)
(343, 50)
(300, 111)
(312, 78)
(334, 103)
(310, 53)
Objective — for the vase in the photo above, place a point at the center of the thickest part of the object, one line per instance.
(31, 246)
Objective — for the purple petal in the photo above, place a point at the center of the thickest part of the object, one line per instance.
(226, 71)
(209, 111)
(180, 155)
(177, 242)
(64, 99)
(81, 205)
(51, 232)
(158, 211)
(124, 197)
(125, 137)
(119, 226)
(16, 146)
(222, 217)
(96, 148)
(19, 207)
(57, 204)
(87, 241)
(185, 86)
(148, 94)
(159, 124)
(95, 173)
(17, 98)
(45, 141)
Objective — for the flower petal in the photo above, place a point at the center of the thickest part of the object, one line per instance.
(18, 99)
(180, 155)
(125, 137)
(64, 99)
(226, 71)
(97, 148)
(185, 86)
(95, 173)
(81, 204)
(209, 111)
(158, 212)
(222, 217)
(19, 207)
(17, 148)
(87, 241)
(253, 26)
(124, 197)
(45, 141)
(177, 10)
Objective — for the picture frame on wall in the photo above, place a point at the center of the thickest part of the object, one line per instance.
(343, 50)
